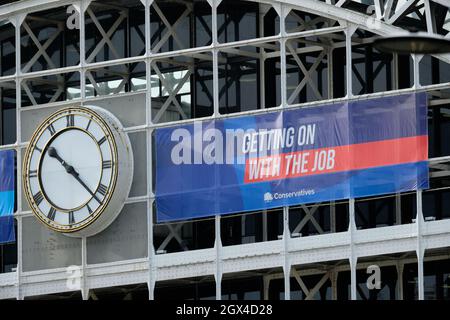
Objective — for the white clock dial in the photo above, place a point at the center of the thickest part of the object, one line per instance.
(72, 168)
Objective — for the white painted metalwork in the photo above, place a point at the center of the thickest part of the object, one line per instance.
(287, 253)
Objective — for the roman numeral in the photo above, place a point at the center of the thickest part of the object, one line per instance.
(38, 197)
(51, 214)
(51, 128)
(32, 174)
(88, 125)
(70, 120)
(89, 209)
(38, 149)
(107, 164)
(102, 189)
(101, 141)
(71, 218)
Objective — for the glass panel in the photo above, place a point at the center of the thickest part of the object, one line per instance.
(114, 80)
(114, 30)
(49, 89)
(189, 235)
(186, 289)
(252, 227)
(7, 49)
(320, 218)
(190, 21)
(7, 113)
(49, 40)
(375, 212)
(237, 20)
(181, 88)
(8, 255)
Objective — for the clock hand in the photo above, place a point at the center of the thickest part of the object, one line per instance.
(70, 170)
(54, 154)
(76, 176)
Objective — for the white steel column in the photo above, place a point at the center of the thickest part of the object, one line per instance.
(420, 248)
(416, 60)
(219, 267)
(17, 22)
(215, 53)
(147, 33)
(286, 233)
(84, 287)
(19, 234)
(348, 59)
(152, 257)
(263, 9)
(81, 10)
(151, 250)
(283, 77)
(352, 226)
(148, 113)
(287, 264)
(353, 259)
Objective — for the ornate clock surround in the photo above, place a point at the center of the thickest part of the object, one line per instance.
(121, 168)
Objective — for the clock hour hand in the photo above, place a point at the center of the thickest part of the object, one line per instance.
(70, 170)
(54, 154)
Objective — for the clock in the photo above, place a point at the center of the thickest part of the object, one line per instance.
(77, 170)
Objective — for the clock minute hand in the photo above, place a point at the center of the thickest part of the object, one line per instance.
(70, 170)
(76, 176)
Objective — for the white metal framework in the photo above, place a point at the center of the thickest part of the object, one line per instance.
(334, 26)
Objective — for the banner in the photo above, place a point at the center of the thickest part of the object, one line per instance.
(306, 155)
(7, 233)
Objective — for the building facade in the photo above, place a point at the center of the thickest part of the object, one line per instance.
(159, 63)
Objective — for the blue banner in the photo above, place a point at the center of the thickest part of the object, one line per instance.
(306, 155)
(7, 185)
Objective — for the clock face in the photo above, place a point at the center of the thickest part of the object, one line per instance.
(71, 169)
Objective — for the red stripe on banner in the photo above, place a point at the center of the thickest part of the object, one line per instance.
(336, 159)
